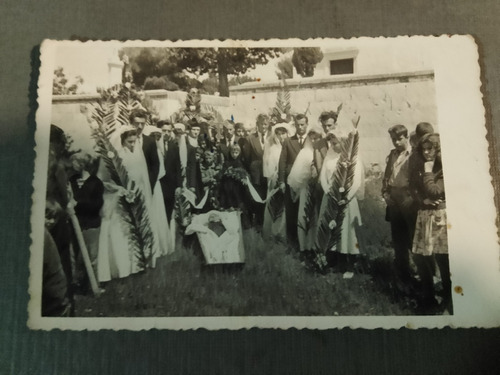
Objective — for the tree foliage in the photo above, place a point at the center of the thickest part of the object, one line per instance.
(177, 63)
(112, 111)
(162, 63)
(155, 83)
(285, 68)
(60, 83)
(305, 60)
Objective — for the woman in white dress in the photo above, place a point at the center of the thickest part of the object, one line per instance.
(117, 258)
(303, 187)
(274, 212)
(349, 243)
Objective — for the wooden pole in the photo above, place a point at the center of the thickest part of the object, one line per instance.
(85, 254)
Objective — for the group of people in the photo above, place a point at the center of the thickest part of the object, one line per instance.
(278, 177)
(413, 188)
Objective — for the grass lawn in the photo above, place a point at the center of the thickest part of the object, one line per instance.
(273, 281)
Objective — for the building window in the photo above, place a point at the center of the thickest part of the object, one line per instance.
(342, 66)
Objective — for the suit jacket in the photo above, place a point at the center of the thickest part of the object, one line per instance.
(224, 147)
(193, 171)
(391, 159)
(172, 161)
(253, 154)
(152, 161)
(289, 151)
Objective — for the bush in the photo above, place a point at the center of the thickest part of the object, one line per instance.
(156, 83)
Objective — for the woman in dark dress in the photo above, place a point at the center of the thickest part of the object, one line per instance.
(233, 190)
(430, 241)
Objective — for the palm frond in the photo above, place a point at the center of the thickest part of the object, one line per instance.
(276, 206)
(282, 108)
(330, 223)
(310, 213)
(110, 112)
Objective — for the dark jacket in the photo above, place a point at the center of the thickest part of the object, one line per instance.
(89, 198)
(431, 186)
(253, 154)
(289, 151)
(152, 161)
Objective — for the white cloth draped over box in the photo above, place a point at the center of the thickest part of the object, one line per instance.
(221, 245)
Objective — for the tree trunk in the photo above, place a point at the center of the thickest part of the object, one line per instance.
(222, 72)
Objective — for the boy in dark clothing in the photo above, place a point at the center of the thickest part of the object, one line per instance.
(88, 192)
(401, 209)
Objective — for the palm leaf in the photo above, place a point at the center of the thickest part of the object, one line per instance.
(110, 112)
(283, 107)
(330, 223)
(276, 205)
(310, 214)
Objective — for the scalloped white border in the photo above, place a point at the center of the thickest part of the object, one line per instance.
(473, 242)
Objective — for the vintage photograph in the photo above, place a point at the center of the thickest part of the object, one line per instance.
(218, 179)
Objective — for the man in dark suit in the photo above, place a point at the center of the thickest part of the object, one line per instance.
(252, 154)
(193, 171)
(289, 151)
(401, 209)
(172, 179)
(228, 140)
(138, 119)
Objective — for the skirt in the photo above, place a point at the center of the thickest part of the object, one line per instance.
(430, 233)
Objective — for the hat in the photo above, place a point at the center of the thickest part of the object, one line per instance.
(282, 125)
(423, 128)
(179, 126)
(126, 128)
(315, 129)
(149, 129)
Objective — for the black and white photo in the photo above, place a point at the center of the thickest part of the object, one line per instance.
(320, 183)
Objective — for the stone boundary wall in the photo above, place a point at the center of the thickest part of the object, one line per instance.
(69, 112)
(382, 100)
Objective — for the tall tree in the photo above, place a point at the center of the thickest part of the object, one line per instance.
(285, 67)
(305, 60)
(174, 63)
(157, 62)
(224, 61)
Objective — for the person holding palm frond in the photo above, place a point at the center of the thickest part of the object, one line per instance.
(116, 258)
(302, 185)
(339, 162)
(274, 213)
(328, 120)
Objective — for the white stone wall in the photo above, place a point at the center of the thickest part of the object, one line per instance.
(381, 100)
(70, 112)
